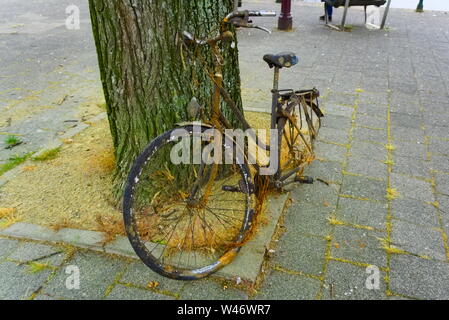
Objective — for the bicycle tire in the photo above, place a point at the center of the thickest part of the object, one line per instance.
(140, 245)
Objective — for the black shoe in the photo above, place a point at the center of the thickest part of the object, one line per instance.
(323, 18)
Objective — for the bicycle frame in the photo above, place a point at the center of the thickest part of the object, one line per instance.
(279, 117)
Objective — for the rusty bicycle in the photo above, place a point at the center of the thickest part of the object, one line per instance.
(186, 214)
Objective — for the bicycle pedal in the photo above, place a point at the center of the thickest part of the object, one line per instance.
(240, 188)
(304, 180)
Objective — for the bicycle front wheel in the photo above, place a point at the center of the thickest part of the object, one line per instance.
(187, 219)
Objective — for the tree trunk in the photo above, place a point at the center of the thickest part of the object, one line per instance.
(147, 76)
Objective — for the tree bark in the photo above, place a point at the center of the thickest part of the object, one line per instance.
(148, 78)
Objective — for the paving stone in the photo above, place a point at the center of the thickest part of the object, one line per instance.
(29, 231)
(41, 253)
(325, 170)
(128, 293)
(210, 290)
(348, 282)
(412, 188)
(139, 274)
(330, 152)
(410, 149)
(308, 218)
(97, 273)
(365, 188)
(336, 122)
(365, 213)
(82, 238)
(443, 200)
(333, 135)
(414, 211)
(415, 277)
(300, 252)
(435, 131)
(412, 167)
(7, 246)
(365, 134)
(407, 134)
(376, 98)
(439, 163)
(372, 151)
(418, 240)
(17, 282)
(372, 110)
(442, 183)
(338, 110)
(288, 287)
(341, 99)
(439, 146)
(405, 120)
(363, 166)
(121, 246)
(371, 122)
(358, 245)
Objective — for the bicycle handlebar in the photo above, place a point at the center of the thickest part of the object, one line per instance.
(252, 13)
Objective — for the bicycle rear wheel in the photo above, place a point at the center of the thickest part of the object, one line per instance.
(186, 220)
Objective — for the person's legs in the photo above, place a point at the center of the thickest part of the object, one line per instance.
(329, 9)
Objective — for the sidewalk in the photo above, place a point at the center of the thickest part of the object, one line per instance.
(383, 155)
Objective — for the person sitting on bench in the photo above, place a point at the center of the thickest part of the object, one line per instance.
(330, 9)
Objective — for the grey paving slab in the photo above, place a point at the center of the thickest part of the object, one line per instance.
(210, 290)
(334, 135)
(364, 213)
(358, 245)
(365, 188)
(309, 219)
(414, 211)
(418, 240)
(82, 238)
(300, 252)
(412, 188)
(336, 122)
(97, 273)
(29, 231)
(369, 150)
(413, 150)
(439, 146)
(408, 134)
(366, 134)
(415, 277)
(325, 170)
(366, 167)
(45, 254)
(138, 274)
(288, 287)
(330, 152)
(348, 282)
(128, 293)
(442, 183)
(7, 246)
(338, 110)
(412, 167)
(18, 282)
(439, 163)
(317, 194)
(370, 121)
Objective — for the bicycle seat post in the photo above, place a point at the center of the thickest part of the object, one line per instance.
(275, 93)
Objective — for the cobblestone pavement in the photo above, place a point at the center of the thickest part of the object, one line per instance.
(383, 155)
(49, 79)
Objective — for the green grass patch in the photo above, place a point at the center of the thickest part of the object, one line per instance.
(48, 155)
(12, 141)
(34, 267)
(13, 162)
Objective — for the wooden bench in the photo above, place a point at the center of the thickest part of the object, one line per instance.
(352, 3)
